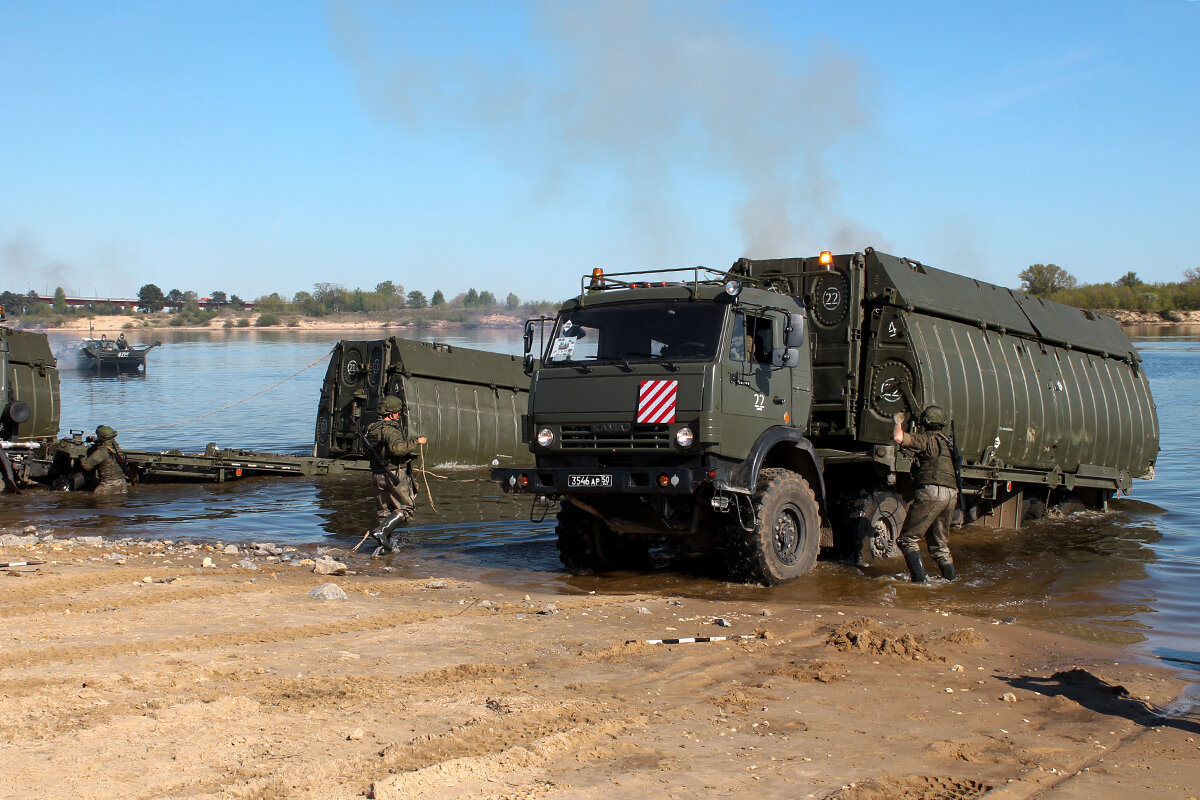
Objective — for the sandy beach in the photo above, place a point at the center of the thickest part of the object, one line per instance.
(112, 324)
(164, 669)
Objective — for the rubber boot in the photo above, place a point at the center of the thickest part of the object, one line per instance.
(947, 570)
(916, 567)
(386, 533)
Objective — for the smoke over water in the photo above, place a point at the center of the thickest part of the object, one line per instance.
(654, 97)
(26, 266)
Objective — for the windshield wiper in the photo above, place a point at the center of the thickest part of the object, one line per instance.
(619, 361)
(666, 362)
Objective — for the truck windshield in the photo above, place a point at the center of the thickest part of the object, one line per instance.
(639, 332)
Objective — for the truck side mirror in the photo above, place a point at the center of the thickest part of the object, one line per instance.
(527, 363)
(785, 357)
(528, 336)
(795, 333)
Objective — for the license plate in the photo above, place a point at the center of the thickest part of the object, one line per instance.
(589, 481)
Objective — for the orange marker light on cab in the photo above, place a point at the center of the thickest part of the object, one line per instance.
(825, 259)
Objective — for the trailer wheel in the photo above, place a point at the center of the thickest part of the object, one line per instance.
(585, 543)
(787, 537)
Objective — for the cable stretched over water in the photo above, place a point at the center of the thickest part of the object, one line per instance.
(231, 405)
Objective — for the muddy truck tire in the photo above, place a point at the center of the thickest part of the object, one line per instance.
(586, 544)
(787, 535)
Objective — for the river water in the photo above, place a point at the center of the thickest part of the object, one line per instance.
(1127, 577)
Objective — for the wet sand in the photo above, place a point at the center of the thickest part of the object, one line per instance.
(132, 670)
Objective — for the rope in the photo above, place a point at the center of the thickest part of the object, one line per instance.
(231, 405)
(425, 476)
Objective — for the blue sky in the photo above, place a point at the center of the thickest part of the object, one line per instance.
(512, 146)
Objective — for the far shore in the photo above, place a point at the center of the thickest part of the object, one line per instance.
(113, 324)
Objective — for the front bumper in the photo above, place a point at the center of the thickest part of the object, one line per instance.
(608, 480)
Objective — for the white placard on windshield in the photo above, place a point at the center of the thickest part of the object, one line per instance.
(564, 347)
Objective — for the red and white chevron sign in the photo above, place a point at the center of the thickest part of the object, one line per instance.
(656, 401)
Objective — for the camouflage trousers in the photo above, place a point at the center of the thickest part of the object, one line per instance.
(112, 487)
(929, 516)
(390, 498)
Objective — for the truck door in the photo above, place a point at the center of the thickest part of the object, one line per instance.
(755, 395)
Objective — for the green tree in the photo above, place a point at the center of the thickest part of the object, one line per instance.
(14, 304)
(307, 304)
(1129, 280)
(1046, 279)
(438, 300)
(175, 298)
(236, 301)
(270, 302)
(416, 299)
(472, 298)
(330, 296)
(60, 300)
(512, 301)
(219, 299)
(487, 299)
(150, 298)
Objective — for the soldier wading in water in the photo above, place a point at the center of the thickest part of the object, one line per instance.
(937, 493)
(392, 471)
(107, 461)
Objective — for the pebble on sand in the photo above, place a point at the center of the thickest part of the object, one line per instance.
(328, 591)
(328, 566)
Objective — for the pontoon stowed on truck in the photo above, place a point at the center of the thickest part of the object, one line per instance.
(748, 413)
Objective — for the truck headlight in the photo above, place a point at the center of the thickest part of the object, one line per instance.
(545, 437)
(684, 437)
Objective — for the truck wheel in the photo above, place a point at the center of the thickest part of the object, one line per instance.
(785, 543)
(586, 543)
(879, 518)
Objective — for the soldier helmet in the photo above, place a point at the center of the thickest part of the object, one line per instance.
(933, 417)
(104, 433)
(391, 405)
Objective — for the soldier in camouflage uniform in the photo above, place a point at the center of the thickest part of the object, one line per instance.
(937, 494)
(395, 499)
(106, 460)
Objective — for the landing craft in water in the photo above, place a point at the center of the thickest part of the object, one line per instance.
(105, 355)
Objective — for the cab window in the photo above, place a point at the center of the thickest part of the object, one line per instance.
(752, 339)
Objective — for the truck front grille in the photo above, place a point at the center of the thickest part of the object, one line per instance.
(616, 436)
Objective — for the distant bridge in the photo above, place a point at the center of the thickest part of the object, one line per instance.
(124, 302)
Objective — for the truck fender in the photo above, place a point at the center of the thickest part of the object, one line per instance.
(788, 447)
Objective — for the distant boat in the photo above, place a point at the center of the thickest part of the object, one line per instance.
(104, 355)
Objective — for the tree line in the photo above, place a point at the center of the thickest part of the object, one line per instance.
(1129, 292)
(1049, 281)
(325, 299)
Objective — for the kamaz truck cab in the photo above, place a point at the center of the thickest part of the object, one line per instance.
(659, 407)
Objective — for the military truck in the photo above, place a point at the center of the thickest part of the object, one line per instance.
(29, 401)
(747, 414)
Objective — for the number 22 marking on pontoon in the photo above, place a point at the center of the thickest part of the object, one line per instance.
(760, 402)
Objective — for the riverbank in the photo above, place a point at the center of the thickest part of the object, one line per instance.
(111, 325)
(163, 669)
